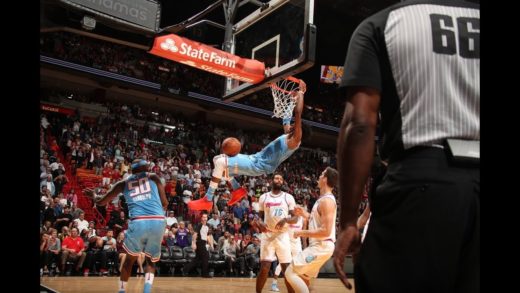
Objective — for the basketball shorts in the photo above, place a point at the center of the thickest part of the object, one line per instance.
(145, 235)
(264, 162)
(275, 245)
(308, 262)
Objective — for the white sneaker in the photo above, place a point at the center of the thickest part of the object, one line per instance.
(251, 274)
(274, 287)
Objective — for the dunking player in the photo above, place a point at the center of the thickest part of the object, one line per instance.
(146, 199)
(264, 162)
(296, 248)
(321, 233)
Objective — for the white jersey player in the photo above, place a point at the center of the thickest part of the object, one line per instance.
(321, 233)
(296, 248)
(276, 209)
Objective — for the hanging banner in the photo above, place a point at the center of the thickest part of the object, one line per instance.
(146, 14)
(56, 109)
(207, 58)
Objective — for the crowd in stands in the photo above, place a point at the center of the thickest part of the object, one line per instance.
(138, 63)
(181, 156)
(127, 61)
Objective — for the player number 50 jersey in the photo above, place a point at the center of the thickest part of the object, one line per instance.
(142, 196)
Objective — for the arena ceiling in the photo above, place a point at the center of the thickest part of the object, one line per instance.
(335, 20)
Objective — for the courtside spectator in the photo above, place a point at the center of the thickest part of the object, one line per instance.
(73, 249)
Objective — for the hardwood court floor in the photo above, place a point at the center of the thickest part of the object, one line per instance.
(178, 284)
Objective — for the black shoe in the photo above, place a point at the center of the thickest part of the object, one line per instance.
(207, 276)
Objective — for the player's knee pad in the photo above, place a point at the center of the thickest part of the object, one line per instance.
(220, 165)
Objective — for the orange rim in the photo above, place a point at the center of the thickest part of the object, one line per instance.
(293, 79)
(289, 78)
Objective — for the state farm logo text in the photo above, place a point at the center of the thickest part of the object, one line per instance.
(198, 53)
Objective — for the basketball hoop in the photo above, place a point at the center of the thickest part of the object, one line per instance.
(284, 96)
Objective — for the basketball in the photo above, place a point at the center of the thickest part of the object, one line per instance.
(231, 146)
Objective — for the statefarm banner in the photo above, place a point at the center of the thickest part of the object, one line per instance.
(208, 58)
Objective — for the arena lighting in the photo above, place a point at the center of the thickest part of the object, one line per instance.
(88, 23)
(70, 96)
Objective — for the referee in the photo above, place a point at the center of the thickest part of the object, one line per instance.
(417, 64)
(198, 243)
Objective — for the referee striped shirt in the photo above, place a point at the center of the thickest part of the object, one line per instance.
(424, 59)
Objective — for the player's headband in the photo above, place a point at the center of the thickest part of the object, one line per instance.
(139, 164)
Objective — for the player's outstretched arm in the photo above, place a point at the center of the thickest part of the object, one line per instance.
(293, 219)
(295, 137)
(300, 211)
(113, 192)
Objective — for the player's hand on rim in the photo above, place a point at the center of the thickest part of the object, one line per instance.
(303, 87)
(347, 243)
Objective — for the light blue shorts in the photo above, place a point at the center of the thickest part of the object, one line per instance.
(264, 162)
(145, 235)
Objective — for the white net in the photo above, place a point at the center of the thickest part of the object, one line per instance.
(284, 96)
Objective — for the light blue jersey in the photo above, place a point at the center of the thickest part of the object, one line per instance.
(146, 229)
(264, 162)
(142, 196)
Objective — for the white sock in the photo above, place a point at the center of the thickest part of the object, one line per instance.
(296, 282)
(275, 281)
(122, 285)
(148, 278)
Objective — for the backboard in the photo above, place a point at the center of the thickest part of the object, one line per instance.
(282, 36)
